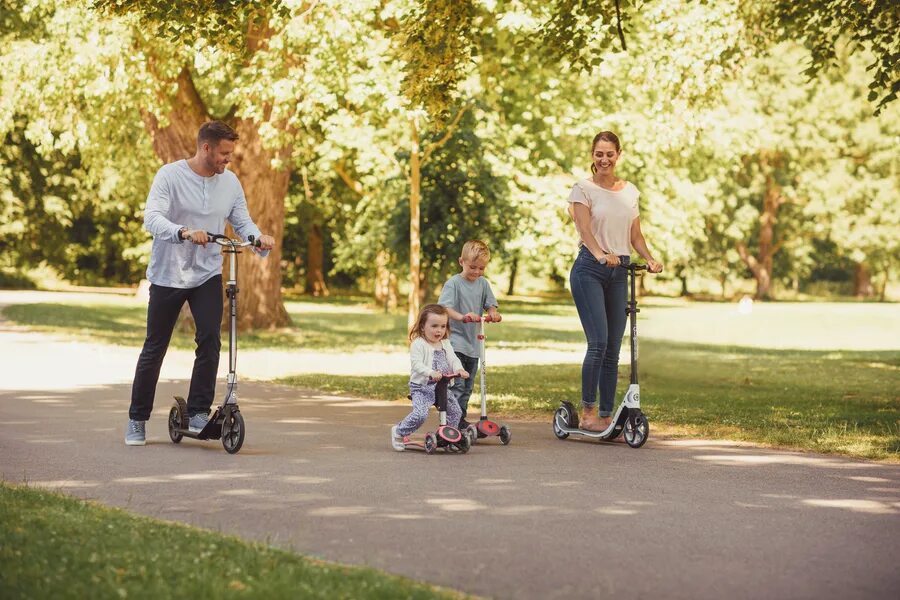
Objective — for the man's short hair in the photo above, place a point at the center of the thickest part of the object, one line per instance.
(213, 132)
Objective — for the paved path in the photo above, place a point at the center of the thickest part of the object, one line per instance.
(540, 518)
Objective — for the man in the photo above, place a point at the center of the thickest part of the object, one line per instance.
(187, 199)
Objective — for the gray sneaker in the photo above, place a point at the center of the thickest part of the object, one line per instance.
(198, 422)
(136, 433)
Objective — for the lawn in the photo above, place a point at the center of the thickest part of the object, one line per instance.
(837, 402)
(54, 546)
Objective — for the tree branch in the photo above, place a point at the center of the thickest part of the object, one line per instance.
(349, 181)
(748, 258)
(430, 148)
(619, 27)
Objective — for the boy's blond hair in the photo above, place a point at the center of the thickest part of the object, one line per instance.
(475, 249)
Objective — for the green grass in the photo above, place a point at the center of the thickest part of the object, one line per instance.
(54, 546)
(835, 402)
(314, 326)
(531, 323)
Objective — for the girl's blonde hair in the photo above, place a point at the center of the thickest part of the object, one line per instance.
(429, 309)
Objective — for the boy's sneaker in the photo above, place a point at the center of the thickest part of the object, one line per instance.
(136, 433)
(397, 440)
(198, 422)
(463, 425)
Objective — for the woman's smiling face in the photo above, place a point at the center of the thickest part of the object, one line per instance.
(604, 157)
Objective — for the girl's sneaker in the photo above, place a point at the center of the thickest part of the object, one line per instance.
(397, 440)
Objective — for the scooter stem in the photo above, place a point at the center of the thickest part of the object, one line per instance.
(481, 370)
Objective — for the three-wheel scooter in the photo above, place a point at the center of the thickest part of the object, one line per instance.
(449, 438)
(485, 427)
(628, 419)
(226, 422)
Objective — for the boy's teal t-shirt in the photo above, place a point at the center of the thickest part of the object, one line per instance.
(466, 296)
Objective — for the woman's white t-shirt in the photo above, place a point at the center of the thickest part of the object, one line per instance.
(612, 213)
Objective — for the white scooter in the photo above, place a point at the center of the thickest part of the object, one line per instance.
(628, 418)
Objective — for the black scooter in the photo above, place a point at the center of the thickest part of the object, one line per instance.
(628, 419)
(226, 422)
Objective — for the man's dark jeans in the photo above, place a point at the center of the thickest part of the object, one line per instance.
(206, 306)
(600, 294)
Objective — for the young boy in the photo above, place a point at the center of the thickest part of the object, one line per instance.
(466, 296)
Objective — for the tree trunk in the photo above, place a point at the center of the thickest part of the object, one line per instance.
(862, 281)
(513, 271)
(884, 283)
(415, 242)
(315, 251)
(261, 306)
(761, 263)
(315, 260)
(386, 293)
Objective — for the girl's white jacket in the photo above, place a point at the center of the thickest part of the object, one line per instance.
(421, 357)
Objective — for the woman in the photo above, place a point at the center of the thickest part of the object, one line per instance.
(605, 210)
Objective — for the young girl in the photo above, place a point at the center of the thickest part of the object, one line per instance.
(431, 357)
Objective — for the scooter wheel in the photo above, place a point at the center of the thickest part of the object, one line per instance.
(175, 423)
(464, 444)
(233, 431)
(560, 416)
(472, 434)
(637, 428)
(430, 443)
(505, 435)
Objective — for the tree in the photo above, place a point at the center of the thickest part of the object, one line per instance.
(824, 25)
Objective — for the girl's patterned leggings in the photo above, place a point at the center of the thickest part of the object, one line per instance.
(422, 401)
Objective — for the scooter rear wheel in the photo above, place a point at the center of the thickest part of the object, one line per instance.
(177, 419)
(505, 435)
(430, 443)
(233, 431)
(637, 428)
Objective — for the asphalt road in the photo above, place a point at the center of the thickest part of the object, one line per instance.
(540, 518)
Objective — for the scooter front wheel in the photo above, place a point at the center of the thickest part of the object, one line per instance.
(637, 428)
(233, 431)
(560, 416)
(430, 443)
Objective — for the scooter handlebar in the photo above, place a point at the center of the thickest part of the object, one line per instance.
(226, 241)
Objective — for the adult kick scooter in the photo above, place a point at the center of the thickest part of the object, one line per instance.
(226, 422)
(628, 419)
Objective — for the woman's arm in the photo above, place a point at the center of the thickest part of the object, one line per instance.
(582, 215)
(640, 244)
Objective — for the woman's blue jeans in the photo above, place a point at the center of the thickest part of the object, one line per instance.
(600, 294)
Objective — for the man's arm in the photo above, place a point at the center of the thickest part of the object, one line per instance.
(156, 212)
(244, 225)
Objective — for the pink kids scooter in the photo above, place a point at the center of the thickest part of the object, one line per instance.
(485, 427)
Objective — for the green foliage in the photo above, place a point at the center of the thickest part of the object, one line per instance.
(435, 44)
(824, 25)
(224, 24)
